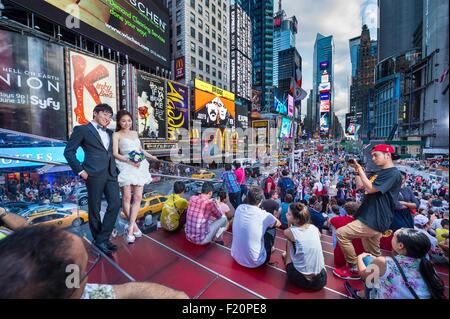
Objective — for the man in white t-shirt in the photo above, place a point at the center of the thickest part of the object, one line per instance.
(253, 232)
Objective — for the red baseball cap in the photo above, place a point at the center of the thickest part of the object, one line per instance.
(385, 148)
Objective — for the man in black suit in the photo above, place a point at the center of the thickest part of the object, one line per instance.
(99, 172)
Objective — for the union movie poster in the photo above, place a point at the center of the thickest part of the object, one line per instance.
(32, 87)
(151, 106)
(92, 81)
(177, 110)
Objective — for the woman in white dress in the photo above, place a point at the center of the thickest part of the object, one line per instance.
(133, 176)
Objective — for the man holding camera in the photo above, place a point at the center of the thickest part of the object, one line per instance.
(376, 212)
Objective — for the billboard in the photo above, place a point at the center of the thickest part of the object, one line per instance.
(324, 65)
(324, 87)
(286, 128)
(290, 105)
(92, 81)
(177, 109)
(325, 77)
(32, 86)
(324, 122)
(151, 106)
(351, 126)
(180, 68)
(241, 116)
(280, 106)
(256, 100)
(324, 96)
(213, 106)
(325, 106)
(261, 137)
(138, 28)
(51, 154)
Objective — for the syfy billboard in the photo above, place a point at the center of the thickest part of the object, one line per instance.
(32, 86)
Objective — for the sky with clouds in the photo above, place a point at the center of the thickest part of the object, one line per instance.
(341, 18)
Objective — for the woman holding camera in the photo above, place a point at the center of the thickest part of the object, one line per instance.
(133, 167)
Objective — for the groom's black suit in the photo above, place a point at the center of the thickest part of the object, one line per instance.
(100, 165)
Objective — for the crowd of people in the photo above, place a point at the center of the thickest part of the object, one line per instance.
(326, 194)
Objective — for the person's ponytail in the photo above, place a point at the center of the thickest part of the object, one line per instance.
(433, 281)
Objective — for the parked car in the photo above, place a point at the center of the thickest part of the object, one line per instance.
(195, 187)
(78, 196)
(204, 174)
(150, 204)
(58, 218)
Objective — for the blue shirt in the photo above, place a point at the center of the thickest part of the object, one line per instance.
(284, 210)
(231, 182)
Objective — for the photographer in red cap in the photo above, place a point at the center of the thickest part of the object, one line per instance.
(376, 212)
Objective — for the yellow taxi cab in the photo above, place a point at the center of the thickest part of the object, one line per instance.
(150, 204)
(59, 218)
(203, 174)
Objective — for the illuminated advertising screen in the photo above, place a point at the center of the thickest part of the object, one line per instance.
(139, 28)
(51, 154)
(213, 106)
(151, 106)
(32, 86)
(324, 96)
(92, 81)
(324, 87)
(180, 68)
(241, 116)
(324, 122)
(324, 65)
(177, 109)
(285, 129)
(261, 137)
(325, 106)
(280, 106)
(290, 105)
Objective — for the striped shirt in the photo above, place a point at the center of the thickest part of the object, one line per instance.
(201, 211)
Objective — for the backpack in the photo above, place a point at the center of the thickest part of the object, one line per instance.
(286, 185)
(167, 218)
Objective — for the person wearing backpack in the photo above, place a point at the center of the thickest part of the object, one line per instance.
(286, 184)
(173, 215)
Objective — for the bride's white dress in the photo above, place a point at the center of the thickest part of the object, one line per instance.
(129, 174)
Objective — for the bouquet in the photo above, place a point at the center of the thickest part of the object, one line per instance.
(136, 157)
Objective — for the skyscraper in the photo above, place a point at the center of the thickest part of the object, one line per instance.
(323, 65)
(200, 42)
(262, 24)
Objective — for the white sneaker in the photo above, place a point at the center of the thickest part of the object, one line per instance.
(138, 234)
(220, 232)
(130, 239)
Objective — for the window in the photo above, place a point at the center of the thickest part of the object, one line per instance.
(214, 82)
(207, 42)
(200, 77)
(193, 75)
(207, 68)
(178, 16)
(169, 4)
(207, 55)
(192, 32)
(213, 21)
(192, 17)
(219, 62)
(214, 46)
(200, 65)
(214, 72)
(200, 37)
(179, 45)
(178, 29)
(219, 15)
(219, 50)
(213, 33)
(224, 7)
(192, 61)
(207, 16)
(193, 4)
(207, 29)
(208, 80)
(200, 9)
(219, 38)
(213, 8)
(200, 51)
(192, 46)
(207, 3)
(224, 53)
(200, 23)
(219, 26)
(213, 59)
(220, 75)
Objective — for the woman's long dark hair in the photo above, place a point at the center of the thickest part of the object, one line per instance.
(119, 115)
(417, 245)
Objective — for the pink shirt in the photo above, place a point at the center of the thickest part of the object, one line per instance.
(240, 175)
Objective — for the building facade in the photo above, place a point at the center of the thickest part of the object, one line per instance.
(200, 41)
